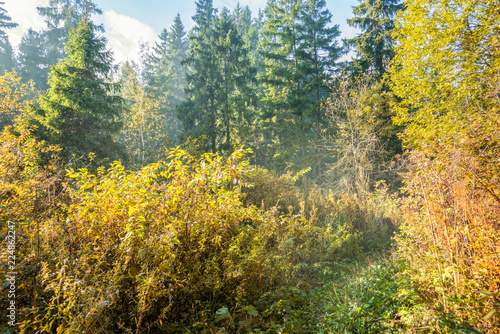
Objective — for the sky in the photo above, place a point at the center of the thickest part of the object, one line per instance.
(129, 23)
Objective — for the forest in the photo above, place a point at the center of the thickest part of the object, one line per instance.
(249, 176)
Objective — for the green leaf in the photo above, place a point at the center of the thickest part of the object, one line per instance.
(490, 314)
(222, 313)
(485, 293)
(251, 310)
(132, 271)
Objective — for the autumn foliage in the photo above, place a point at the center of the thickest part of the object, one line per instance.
(168, 248)
(14, 96)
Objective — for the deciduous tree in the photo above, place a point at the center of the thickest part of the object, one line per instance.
(14, 97)
(144, 133)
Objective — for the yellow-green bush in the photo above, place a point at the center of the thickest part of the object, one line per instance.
(446, 78)
(198, 243)
(265, 189)
(169, 248)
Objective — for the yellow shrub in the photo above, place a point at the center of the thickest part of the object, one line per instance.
(168, 248)
(451, 234)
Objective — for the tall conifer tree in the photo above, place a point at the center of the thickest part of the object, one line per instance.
(197, 112)
(177, 49)
(235, 93)
(39, 51)
(165, 74)
(375, 49)
(33, 62)
(78, 113)
(219, 91)
(156, 68)
(61, 16)
(319, 52)
(284, 98)
(249, 31)
(6, 54)
(374, 46)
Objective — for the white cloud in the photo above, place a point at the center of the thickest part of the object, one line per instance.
(24, 13)
(125, 34)
(256, 3)
(349, 32)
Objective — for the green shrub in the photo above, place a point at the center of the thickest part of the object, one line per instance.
(373, 300)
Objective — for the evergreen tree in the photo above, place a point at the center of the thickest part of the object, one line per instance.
(197, 112)
(39, 51)
(234, 86)
(177, 49)
(285, 95)
(219, 92)
(300, 51)
(374, 46)
(249, 31)
(156, 68)
(78, 113)
(319, 51)
(61, 16)
(375, 49)
(33, 63)
(165, 74)
(6, 54)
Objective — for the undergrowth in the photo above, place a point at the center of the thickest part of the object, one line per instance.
(204, 243)
(181, 245)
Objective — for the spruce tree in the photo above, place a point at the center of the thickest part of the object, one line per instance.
(61, 16)
(219, 92)
(156, 68)
(165, 74)
(32, 59)
(375, 49)
(234, 92)
(177, 48)
(285, 97)
(198, 112)
(78, 113)
(319, 52)
(6, 54)
(375, 45)
(319, 49)
(249, 31)
(40, 50)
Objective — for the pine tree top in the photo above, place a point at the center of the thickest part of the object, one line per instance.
(5, 20)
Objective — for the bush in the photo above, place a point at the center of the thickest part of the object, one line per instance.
(451, 235)
(169, 248)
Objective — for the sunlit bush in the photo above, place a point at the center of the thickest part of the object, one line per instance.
(451, 235)
(169, 248)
